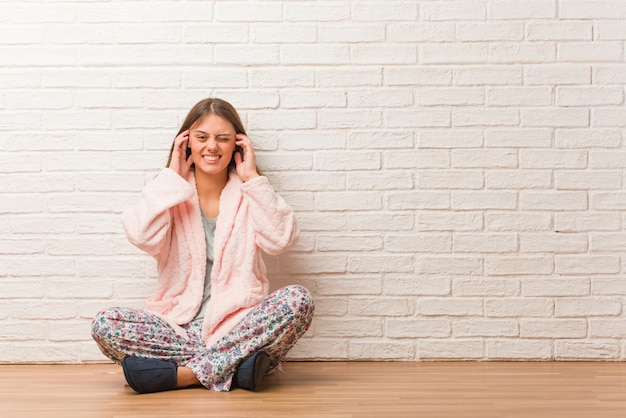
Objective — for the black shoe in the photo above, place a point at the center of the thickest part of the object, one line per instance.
(147, 375)
(251, 371)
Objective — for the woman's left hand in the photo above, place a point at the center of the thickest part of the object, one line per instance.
(246, 166)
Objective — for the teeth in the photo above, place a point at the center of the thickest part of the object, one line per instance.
(211, 157)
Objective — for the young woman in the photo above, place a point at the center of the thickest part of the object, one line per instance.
(206, 219)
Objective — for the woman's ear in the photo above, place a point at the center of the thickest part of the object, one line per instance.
(239, 150)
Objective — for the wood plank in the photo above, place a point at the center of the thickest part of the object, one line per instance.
(333, 389)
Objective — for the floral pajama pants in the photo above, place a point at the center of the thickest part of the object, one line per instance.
(275, 325)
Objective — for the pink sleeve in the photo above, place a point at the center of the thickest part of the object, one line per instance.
(275, 224)
(147, 222)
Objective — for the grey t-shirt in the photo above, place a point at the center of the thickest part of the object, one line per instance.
(209, 232)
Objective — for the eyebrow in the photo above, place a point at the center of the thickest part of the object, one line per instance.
(202, 132)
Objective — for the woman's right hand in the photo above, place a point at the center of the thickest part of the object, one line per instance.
(180, 163)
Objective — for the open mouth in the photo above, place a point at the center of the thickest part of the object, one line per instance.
(211, 158)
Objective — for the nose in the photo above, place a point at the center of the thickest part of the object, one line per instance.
(211, 144)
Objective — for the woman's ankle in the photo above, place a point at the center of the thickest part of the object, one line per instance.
(185, 377)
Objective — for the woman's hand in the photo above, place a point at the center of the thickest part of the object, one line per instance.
(179, 162)
(246, 166)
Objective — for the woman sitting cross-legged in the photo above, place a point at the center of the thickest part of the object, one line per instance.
(206, 219)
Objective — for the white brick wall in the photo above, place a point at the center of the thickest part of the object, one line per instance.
(457, 165)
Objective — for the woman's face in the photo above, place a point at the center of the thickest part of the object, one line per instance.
(212, 143)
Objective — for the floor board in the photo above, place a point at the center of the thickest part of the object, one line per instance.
(333, 389)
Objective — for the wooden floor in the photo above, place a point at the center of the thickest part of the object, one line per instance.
(329, 389)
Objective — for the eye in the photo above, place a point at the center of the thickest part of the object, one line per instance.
(223, 138)
(201, 137)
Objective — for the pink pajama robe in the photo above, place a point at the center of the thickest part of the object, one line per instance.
(241, 317)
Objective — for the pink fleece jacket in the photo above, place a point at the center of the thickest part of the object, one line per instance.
(167, 224)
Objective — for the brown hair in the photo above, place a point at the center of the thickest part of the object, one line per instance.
(206, 107)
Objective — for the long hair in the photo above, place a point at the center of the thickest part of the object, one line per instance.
(206, 107)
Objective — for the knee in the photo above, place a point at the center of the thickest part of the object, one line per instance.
(303, 298)
(300, 292)
(101, 323)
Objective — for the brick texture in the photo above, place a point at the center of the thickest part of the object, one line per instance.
(457, 166)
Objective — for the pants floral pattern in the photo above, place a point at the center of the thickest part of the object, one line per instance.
(275, 325)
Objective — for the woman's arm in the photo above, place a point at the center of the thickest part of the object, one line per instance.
(274, 221)
(147, 223)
